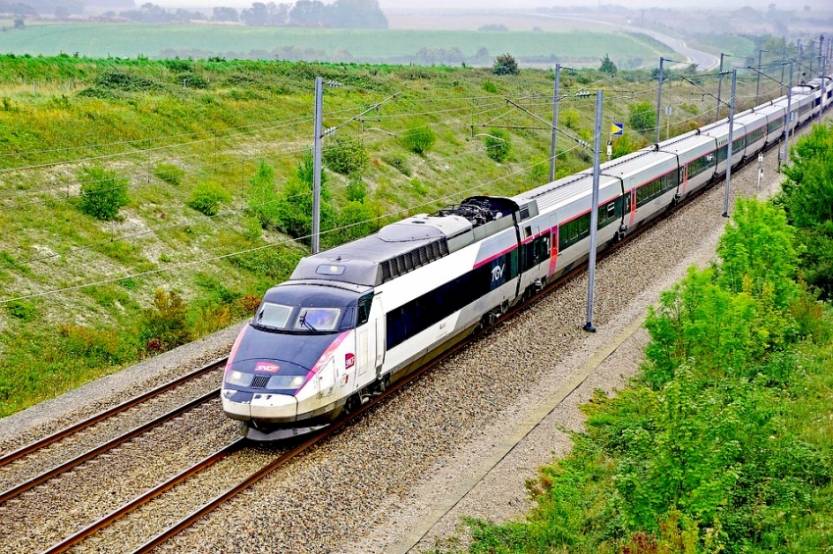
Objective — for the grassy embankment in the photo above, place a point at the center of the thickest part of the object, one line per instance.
(724, 442)
(378, 46)
(184, 140)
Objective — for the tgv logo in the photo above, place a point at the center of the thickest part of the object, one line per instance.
(497, 272)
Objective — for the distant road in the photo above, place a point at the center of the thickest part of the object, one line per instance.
(704, 60)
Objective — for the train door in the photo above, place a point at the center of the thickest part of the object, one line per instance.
(365, 341)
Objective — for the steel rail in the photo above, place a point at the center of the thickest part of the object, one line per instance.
(340, 424)
(92, 420)
(19, 489)
(144, 498)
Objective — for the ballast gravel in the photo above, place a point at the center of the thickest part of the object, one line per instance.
(329, 498)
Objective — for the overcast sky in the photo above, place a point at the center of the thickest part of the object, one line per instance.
(423, 5)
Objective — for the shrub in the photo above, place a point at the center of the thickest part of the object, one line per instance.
(207, 198)
(103, 192)
(355, 220)
(345, 155)
(164, 325)
(419, 139)
(498, 145)
(356, 190)
(399, 163)
(192, 80)
(490, 87)
(505, 65)
(170, 173)
(263, 198)
(643, 117)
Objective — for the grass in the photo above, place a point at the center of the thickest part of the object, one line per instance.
(394, 46)
(140, 119)
(723, 441)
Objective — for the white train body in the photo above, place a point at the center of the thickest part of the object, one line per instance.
(355, 317)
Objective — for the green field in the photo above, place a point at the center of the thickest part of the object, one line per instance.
(392, 46)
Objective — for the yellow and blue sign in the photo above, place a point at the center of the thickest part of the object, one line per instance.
(617, 129)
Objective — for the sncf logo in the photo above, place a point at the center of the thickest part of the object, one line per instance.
(497, 272)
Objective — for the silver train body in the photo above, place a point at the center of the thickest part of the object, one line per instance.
(354, 318)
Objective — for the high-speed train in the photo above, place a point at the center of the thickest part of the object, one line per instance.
(354, 318)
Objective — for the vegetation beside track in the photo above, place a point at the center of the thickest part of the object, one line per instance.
(723, 443)
(177, 186)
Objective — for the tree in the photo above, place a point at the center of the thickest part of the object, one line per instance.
(221, 13)
(643, 117)
(608, 66)
(505, 65)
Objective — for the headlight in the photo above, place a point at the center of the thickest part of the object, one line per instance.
(285, 381)
(239, 378)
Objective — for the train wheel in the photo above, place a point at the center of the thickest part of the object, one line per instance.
(353, 403)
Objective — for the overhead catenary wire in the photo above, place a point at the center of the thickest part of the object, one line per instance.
(171, 267)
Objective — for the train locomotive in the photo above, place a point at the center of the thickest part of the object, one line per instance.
(354, 318)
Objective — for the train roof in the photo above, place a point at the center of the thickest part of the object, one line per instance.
(406, 245)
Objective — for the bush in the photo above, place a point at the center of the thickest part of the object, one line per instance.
(490, 87)
(345, 155)
(263, 198)
(170, 173)
(164, 325)
(498, 145)
(399, 163)
(505, 65)
(356, 190)
(207, 198)
(103, 192)
(419, 139)
(643, 117)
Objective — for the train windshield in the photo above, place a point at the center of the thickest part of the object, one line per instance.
(279, 317)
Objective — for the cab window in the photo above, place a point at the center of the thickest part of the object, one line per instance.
(363, 312)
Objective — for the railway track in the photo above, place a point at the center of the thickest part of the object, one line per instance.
(67, 432)
(284, 457)
(305, 444)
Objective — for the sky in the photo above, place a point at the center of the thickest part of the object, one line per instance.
(423, 5)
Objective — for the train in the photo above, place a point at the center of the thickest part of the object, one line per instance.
(355, 318)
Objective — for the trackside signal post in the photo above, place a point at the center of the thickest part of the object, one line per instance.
(594, 215)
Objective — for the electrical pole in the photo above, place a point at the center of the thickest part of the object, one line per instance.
(800, 58)
(758, 81)
(554, 136)
(823, 90)
(316, 163)
(659, 95)
(788, 117)
(729, 145)
(810, 49)
(821, 54)
(594, 214)
(719, 85)
(783, 66)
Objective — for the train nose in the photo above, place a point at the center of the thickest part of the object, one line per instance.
(274, 407)
(265, 406)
